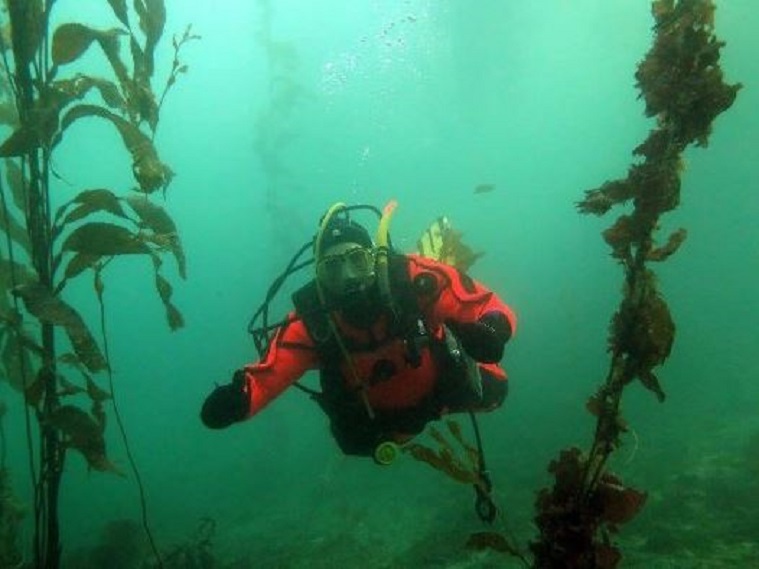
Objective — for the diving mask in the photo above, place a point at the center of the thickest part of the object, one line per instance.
(346, 268)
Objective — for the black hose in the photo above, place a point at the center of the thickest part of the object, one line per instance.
(483, 503)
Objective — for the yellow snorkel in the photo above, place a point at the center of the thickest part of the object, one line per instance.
(382, 240)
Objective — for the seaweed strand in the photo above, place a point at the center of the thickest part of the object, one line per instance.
(683, 88)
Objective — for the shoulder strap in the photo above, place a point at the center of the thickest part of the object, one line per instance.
(310, 309)
(403, 291)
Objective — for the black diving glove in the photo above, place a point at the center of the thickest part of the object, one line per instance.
(226, 404)
(485, 339)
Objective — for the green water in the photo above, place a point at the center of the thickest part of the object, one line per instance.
(289, 106)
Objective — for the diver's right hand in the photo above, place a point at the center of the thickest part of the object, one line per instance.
(227, 404)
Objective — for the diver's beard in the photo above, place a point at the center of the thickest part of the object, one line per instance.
(356, 289)
(360, 304)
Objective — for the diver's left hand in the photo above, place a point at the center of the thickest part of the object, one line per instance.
(485, 339)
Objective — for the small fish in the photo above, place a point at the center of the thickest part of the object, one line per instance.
(484, 188)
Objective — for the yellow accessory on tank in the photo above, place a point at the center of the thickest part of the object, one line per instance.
(385, 453)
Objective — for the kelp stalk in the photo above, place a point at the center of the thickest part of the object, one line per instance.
(682, 85)
(28, 24)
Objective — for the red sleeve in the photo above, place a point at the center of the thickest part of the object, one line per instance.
(291, 354)
(459, 297)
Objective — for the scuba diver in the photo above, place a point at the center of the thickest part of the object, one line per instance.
(399, 339)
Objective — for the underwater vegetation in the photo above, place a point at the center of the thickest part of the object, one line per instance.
(195, 553)
(48, 353)
(274, 130)
(123, 545)
(11, 514)
(683, 88)
(11, 511)
(443, 242)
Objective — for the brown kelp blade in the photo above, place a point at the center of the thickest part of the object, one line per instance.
(46, 307)
(443, 243)
(82, 432)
